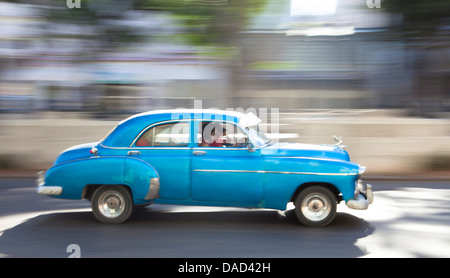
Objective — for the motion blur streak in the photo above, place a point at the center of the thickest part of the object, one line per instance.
(70, 69)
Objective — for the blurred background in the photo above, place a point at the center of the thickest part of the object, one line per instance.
(376, 72)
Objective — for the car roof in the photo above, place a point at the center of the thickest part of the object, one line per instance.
(129, 128)
(171, 114)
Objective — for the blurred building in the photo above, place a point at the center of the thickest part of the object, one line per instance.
(56, 66)
(343, 56)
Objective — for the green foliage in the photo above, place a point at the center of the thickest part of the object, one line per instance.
(205, 22)
(275, 65)
(420, 17)
(7, 161)
(93, 13)
(208, 22)
(439, 162)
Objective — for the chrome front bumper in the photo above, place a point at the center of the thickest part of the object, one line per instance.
(363, 196)
(44, 189)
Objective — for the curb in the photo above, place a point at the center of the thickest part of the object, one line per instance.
(18, 173)
(407, 178)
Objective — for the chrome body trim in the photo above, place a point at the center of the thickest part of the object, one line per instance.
(311, 158)
(312, 173)
(146, 148)
(156, 124)
(229, 171)
(132, 145)
(153, 189)
(275, 172)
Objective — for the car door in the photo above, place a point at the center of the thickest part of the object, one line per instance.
(165, 146)
(223, 170)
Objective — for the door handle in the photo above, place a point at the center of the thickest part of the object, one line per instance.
(134, 152)
(199, 152)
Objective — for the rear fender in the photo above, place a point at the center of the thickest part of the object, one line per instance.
(74, 175)
(143, 178)
(140, 177)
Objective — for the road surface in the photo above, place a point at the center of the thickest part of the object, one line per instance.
(407, 219)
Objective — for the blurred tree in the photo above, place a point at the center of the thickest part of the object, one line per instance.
(100, 20)
(100, 17)
(213, 23)
(85, 31)
(424, 26)
(419, 17)
(209, 22)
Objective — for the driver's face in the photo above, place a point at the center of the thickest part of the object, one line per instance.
(220, 134)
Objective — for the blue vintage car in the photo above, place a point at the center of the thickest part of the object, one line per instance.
(204, 158)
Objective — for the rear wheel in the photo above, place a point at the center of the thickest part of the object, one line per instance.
(112, 204)
(315, 206)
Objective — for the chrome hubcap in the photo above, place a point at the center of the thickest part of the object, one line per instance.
(111, 204)
(315, 207)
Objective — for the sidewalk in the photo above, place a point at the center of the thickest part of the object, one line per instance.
(387, 142)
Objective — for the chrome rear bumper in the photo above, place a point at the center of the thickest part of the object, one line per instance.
(44, 189)
(49, 190)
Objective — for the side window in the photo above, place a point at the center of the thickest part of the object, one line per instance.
(220, 134)
(165, 135)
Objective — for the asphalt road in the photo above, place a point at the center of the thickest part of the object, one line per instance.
(407, 219)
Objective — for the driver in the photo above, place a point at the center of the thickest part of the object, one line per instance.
(213, 135)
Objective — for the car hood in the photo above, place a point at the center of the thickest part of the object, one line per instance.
(306, 150)
(75, 152)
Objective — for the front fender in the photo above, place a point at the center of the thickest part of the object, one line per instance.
(286, 174)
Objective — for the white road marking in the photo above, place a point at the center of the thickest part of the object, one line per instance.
(11, 221)
(407, 222)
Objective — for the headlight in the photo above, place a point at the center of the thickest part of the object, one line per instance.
(361, 170)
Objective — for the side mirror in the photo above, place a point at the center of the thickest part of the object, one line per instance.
(250, 147)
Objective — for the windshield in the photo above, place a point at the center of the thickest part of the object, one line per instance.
(258, 137)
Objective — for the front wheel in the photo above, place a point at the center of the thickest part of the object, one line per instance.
(315, 206)
(112, 204)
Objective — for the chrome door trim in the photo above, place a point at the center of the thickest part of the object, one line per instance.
(275, 172)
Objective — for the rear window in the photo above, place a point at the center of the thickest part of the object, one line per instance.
(165, 135)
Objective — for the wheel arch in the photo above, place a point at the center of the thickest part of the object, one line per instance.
(89, 190)
(329, 186)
